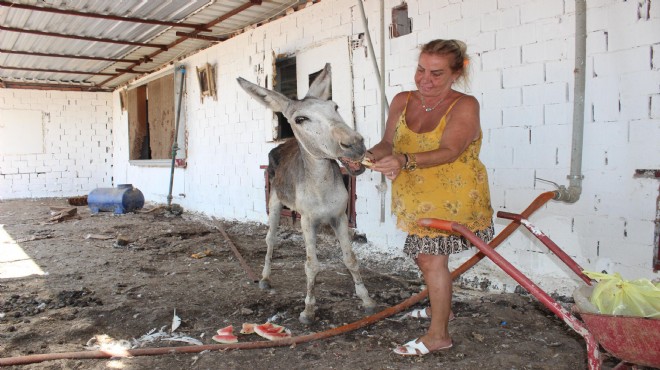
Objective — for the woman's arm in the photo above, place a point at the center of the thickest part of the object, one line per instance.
(462, 129)
(384, 147)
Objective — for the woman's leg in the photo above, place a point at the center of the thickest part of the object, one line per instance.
(437, 277)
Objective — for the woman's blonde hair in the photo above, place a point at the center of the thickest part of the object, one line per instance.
(457, 51)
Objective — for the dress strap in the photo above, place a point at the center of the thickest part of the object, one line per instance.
(405, 108)
(453, 103)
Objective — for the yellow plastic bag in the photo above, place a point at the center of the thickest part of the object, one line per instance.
(615, 296)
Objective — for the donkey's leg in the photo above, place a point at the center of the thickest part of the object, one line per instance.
(340, 226)
(309, 228)
(274, 209)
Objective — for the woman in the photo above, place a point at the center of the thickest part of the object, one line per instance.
(430, 151)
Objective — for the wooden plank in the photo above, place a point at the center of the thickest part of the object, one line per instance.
(137, 120)
(161, 116)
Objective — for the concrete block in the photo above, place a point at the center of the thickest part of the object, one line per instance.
(524, 75)
(450, 12)
(605, 104)
(535, 10)
(635, 107)
(487, 80)
(399, 77)
(597, 41)
(505, 4)
(551, 50)
(501, 19)
(622, 62)
(527, 115)
(558, 113)
(501, 58)
(502, 98)
(645, 134)
(559, 71)
(548, 93)
(639, 84)
(490, 118)
(640, 33)
(515, 37)
(655, 106)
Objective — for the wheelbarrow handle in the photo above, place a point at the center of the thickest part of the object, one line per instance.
(563, 256)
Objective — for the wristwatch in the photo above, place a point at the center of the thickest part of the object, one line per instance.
(411, 162)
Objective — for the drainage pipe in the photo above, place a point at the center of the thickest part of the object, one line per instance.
(572, 193)
(29, 359)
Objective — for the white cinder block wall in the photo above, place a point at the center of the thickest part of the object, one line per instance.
(77, 150)
(522, 73)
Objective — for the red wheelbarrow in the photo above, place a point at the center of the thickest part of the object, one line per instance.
(633, 340)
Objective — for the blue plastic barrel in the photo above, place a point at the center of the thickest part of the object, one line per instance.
(124, 198)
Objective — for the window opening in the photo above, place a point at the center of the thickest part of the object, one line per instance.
(151, 117)
(286, 84)
(401, 23)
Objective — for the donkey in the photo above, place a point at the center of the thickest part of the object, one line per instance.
(305, 177)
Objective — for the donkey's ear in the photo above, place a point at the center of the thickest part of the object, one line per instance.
(271, 99)
(320, 88)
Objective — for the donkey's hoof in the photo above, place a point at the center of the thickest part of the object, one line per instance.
(264, 284)
(370, 310)
(305, 319)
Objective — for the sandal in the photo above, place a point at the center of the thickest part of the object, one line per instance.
(415, 348)
(420, 313)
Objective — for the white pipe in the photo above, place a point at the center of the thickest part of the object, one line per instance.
(374, 62)
(384, 106)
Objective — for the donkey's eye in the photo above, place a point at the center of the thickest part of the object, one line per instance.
(301, 119)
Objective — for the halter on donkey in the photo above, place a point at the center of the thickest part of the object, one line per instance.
(305, 177)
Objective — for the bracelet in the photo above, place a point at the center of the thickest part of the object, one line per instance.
(411, 162)
(405, 164)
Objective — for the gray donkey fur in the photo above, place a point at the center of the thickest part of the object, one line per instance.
(305, 177)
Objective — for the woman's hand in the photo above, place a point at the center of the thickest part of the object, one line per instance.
(389, 165)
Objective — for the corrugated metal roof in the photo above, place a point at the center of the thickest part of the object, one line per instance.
(68, 41)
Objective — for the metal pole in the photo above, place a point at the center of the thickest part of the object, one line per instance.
(175, 146)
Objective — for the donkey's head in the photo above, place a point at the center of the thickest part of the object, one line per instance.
(315, 122)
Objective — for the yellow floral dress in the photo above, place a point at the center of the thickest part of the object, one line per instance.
(456, 191)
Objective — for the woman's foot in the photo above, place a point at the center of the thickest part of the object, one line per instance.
(417, 347)
(425, 313)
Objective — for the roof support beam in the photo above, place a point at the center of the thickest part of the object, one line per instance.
(49, 86)
(229, 14)
(111, 41)
(199, 27)
(201, 37)
(71, 56)
(58, 71)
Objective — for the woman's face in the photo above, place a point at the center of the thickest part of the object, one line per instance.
(433, 76)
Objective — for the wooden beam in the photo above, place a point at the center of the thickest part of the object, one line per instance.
(58, 71)
(201, 37)
(51, 86)
(231, 13)
(104, 16)
(85, 38)
(85, 57)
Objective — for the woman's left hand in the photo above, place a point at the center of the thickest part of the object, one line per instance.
(389, 166)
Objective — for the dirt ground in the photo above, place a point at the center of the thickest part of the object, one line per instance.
(115, 278)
